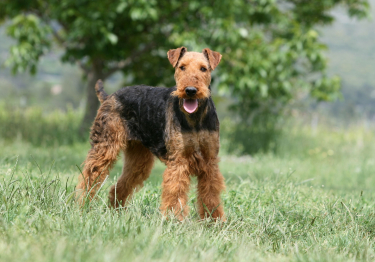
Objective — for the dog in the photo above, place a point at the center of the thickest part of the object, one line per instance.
(178, 125)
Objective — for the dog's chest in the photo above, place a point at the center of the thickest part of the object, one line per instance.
(203, 144)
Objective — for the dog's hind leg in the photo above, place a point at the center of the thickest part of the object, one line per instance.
(137, 168)
(107, 137)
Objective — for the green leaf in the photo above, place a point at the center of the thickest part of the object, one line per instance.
(112, 38)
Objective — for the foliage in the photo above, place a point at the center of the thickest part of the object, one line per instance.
(33, 42)
(261, 136)
(313, 202)
(40, 128)
(270, 48)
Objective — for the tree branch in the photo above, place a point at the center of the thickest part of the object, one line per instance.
(123, 63)
(83, 67)
(59, 39)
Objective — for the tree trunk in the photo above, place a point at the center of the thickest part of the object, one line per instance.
(92, 102)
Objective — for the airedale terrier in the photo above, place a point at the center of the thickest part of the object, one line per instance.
(178, 125)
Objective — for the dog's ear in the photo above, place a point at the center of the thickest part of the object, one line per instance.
(175, 54)
(213, 57)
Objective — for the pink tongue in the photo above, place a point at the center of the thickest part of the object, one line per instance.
(190, 105)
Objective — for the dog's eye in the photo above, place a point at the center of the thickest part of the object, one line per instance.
(182, 68)
(203, 69)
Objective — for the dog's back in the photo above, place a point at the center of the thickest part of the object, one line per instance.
(144, 110)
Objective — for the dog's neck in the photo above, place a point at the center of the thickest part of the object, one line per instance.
(190, 121)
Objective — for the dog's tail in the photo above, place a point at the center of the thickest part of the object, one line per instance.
(102, 95)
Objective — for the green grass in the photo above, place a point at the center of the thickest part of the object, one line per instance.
(313, 201)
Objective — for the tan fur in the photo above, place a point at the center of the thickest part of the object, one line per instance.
(192, 75)
(137, 168)
(99, 91)
(213, 57)
(176, 182)
(108, 136)
(193, 153)
(188, 153)
(210, 186)
(175, 54)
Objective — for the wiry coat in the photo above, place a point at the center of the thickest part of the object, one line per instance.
(147, 109)
(146, 121)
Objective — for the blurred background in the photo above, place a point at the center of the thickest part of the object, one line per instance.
(289, 68)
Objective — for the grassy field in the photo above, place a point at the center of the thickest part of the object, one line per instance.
(311, 201)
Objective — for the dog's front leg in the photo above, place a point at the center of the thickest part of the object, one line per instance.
(176, 183)
(210, 186)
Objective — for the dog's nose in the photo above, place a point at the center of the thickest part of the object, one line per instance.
(190, 91)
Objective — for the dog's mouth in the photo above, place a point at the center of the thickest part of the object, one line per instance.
(190, 105)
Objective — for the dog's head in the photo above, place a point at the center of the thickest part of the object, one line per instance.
(193, 75)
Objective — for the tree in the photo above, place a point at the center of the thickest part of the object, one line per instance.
(270, 48)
